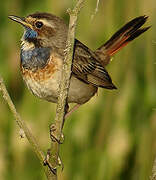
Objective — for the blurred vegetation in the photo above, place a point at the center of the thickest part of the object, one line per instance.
(113, 136)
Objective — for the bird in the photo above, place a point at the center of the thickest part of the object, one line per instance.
(43, 49)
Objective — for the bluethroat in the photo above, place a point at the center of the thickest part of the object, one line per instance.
(42, 54)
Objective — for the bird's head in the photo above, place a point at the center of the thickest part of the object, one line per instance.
(43, 29)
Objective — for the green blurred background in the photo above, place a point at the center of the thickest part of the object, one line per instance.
(113, 136)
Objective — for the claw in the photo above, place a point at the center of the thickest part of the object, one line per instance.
(47, 163)
(53, 137)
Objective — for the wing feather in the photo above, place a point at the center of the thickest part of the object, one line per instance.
(88, 69)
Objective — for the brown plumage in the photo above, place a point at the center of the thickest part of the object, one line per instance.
(87, 68)
(45, 33)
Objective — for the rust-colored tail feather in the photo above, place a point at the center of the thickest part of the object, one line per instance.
(126, 34)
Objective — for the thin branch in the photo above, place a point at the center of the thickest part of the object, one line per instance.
(53, 156)
(96, 10)
(153, 177)
(23, 127)
(64, 85)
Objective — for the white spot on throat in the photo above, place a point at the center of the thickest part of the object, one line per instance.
(25, 45)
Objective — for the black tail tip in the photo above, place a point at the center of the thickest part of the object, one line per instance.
(146, 17)
(143, 19)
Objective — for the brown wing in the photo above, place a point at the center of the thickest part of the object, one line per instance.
(88, 69)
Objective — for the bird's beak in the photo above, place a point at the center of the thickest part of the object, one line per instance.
(20, 20)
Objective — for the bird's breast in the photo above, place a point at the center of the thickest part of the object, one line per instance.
(35, 58)
(44, 82)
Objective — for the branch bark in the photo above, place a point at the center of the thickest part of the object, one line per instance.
(64, 86)
(22, 125)
(62, 101)
(96, 10)
(153, 177)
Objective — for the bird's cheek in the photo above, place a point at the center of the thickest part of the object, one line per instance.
(48, 32)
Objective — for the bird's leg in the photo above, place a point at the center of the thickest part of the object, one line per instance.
(66, 112)
(60, 141)
(52, 135)
(55, 139)
(47, 163)
(53, 128)
(72, 110)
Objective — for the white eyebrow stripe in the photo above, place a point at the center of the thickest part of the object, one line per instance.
(45, 22)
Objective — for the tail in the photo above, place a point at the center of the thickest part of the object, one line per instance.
(126, 34)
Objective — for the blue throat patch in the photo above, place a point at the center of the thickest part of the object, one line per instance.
(30, 34)
(36, 58)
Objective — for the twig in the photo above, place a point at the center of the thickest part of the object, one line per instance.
(53, 156)
(96, 10)
(23, 127)
(64, 85)
(153, 177)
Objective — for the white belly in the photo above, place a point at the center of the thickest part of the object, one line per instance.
(79, 92)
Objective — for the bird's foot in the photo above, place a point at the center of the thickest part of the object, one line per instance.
(53, 137)
(47, 163)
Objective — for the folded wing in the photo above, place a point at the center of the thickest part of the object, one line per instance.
(88, 69)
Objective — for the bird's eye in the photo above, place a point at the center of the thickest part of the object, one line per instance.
(38, 24)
